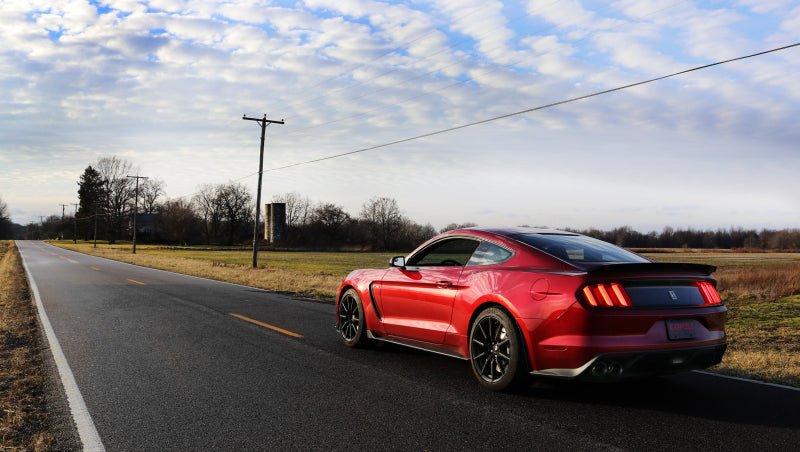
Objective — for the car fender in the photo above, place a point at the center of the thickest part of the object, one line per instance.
(524, 326)
(361, 280)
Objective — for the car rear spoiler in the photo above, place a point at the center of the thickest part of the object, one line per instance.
(653, 267)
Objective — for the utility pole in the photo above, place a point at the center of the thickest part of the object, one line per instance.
(135, 208)
(75, 225)
(95, 223)
(263, 122)
(61, 228)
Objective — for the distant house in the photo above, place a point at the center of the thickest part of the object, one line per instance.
(145, 225)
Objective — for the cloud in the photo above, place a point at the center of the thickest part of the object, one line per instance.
(165, 83)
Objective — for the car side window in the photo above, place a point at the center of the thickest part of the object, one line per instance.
(445, 253)
(488, 254)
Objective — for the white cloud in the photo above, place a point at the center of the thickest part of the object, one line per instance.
(165, 82)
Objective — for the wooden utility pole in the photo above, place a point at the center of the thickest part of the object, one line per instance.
(263, 122)
(75, 224)
(95, 223)
(61, 227)
(135, 208)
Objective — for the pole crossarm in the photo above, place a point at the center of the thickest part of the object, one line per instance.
(263, 122)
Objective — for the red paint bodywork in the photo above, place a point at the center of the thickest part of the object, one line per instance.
(434, 307)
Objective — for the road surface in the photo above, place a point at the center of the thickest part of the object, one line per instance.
(165, 361)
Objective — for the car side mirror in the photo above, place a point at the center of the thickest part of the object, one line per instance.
(397, 261)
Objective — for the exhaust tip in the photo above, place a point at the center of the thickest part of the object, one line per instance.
(600, 369)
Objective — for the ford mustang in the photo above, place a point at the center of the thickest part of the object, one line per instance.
(521, 301)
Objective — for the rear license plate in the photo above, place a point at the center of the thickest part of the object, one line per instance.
(680, 329)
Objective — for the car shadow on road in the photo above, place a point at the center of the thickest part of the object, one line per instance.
(689, 393)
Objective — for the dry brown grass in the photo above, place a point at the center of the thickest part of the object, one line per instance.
(779, 366)
(763, 322)
(315, 284)
(24, 422)
(758, 282)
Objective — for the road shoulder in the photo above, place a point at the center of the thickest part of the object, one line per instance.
(62, 432)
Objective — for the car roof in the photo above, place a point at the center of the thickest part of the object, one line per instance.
(509, 231)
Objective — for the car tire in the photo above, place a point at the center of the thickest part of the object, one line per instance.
(350, 320)
(496, 353)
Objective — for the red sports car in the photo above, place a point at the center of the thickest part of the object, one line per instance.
(520, 301)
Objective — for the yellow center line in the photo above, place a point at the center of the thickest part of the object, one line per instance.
(266, 325)
(137, 282)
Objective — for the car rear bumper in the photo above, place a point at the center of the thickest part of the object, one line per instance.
(641, 363)
(573, 340)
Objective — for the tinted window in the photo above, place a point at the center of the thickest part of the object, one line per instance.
(446, 253)
(578, 248)
(489, 253)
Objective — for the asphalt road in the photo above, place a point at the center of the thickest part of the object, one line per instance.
(163, 365)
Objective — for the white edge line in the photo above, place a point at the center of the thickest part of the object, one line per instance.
(80, 414)
(289, 295)
(774, 385)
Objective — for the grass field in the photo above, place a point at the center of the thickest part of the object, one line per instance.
(761, 290)
(24, 423)
(311, 274)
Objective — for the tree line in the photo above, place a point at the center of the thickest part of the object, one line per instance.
(729, 238)
(223, 214)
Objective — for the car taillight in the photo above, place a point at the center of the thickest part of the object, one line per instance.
(611, 295)
(709, 293)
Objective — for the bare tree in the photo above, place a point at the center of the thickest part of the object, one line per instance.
(383, 218)
(5, 220)
(118, 190)
(206, 204)
(178, 222)
(236, 204)
(149, 191)
(412, 234)
(298, 208)
(330, 218)
(452, 226)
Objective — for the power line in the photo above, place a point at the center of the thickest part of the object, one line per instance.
(463, 126)
(402, 45)
(541, 107)
(436, 70)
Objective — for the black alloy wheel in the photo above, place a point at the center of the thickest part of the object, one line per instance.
(495, 351)
(350, 319)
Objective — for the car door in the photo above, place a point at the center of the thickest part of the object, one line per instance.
(417, 300)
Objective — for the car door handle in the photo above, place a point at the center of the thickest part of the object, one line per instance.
(444, 284)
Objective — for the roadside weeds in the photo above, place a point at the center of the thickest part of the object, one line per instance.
(320, 285)
(25, 423)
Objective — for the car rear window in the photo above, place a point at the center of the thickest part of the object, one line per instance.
(489, 254)
(578, 248)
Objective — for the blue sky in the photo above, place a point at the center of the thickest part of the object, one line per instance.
(164, 84)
